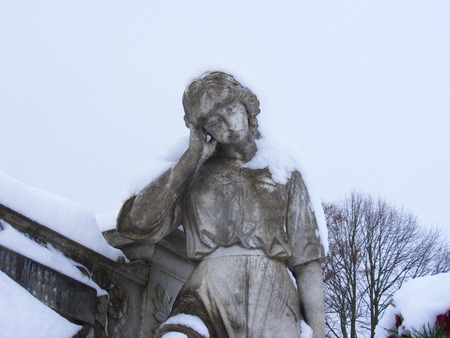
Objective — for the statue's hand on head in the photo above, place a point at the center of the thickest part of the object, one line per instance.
(201, 145)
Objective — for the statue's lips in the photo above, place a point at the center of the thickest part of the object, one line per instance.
(234, 135)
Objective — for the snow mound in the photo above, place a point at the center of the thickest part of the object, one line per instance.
(57, 213)
(46, 255)
(193, 322)
(38, 320)
(419, 301)
(306, 331)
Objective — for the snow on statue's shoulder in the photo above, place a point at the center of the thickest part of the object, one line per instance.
(282, 157)
(278, 155)
(57, 213)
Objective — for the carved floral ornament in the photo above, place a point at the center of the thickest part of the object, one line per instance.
(163, 305)
(118, 297)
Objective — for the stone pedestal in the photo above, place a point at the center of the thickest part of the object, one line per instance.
(169, 269)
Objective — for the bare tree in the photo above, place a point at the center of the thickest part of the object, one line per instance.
(343, 294)
(374, 248)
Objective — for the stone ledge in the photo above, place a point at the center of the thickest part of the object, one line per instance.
(137, 271)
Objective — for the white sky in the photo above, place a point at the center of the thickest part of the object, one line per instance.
(91, 90)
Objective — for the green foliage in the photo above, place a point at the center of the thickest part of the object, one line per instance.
(426, 331)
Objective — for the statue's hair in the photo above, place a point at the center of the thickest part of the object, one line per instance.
(214, 89)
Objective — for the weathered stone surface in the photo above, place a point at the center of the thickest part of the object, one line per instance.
(170, 267)
(72, 299)
(117, 315)
(242, 228)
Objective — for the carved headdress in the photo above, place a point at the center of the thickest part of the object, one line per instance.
(214, 89)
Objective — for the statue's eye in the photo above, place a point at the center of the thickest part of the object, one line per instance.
(211, 123)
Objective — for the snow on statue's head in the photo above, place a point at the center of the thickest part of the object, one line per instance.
(214, 89)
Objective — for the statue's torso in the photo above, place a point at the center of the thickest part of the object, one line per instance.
(227, 204)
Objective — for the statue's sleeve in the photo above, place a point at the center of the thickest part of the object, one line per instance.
(302, 226)
(169, 221)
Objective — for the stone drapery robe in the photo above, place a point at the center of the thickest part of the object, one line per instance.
(226, 206)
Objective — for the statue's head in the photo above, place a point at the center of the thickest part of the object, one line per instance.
(214, 89)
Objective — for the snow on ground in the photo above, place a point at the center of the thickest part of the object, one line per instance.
(419, 301)
(23, 316)
(56, 212)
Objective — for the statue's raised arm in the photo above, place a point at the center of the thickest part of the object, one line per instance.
(245, 229)
(155, 211)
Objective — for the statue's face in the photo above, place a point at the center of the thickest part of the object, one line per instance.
(228, 124)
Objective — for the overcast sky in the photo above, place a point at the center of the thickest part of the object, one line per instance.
(91, 90)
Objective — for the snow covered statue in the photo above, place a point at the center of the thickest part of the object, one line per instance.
(244, 228)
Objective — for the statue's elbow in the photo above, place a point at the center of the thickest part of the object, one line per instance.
(135, 224)
(126, 228)
(123, 225)
(126, 224)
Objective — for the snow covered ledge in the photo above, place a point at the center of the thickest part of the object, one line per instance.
(58, 213)
(48, 244)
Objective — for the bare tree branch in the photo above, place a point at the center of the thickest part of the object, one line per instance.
(374, 248)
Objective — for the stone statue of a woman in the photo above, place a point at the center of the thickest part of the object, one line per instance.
(244, 229)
